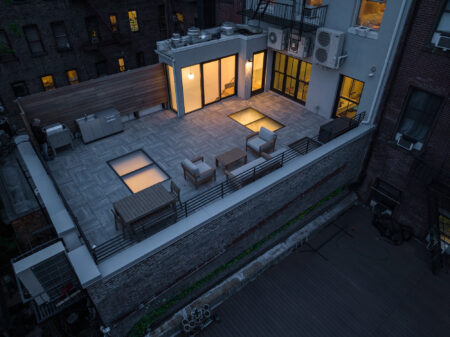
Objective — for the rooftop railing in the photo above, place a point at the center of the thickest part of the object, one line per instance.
(219, 191)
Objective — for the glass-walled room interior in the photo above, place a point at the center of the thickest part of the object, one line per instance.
(207, 82)
(258, 72)
(348, 98)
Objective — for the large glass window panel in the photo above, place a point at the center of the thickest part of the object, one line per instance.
(371, 13)
(349, 97)
(144, 178)
(291, 75)
(191, 79)
(258, 71)
(173, 97)
(211, 82)
(130, 162)
(228, 76)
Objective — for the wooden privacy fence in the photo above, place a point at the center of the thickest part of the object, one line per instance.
(127, 92)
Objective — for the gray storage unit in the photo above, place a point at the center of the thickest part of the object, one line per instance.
(100, 124)
(58, 135)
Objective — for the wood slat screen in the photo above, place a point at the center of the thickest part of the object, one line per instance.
(128, 92)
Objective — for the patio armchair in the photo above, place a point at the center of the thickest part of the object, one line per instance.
(197, 171)
(264, 141)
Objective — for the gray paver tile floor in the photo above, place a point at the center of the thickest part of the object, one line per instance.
(90, 186)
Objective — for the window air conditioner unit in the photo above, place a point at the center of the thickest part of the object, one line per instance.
(299, 47)
(403, 143)
(328, 48)
(442, 41)
(276, 38)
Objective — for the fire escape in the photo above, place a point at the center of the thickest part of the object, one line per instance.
(293, 15)
(99, 44)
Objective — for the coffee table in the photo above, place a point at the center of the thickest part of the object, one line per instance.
(230, 157)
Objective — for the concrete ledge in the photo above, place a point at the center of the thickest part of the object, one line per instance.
(235, 282)
(84, 266)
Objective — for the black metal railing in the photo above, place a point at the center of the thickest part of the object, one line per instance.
(219, 191)
(285, 14)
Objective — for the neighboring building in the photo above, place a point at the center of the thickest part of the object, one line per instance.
(313, 72)
(410, 157)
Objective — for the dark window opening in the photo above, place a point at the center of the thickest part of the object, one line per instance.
(34, 40)
(418, 115)
(20, 89)
(93, 29)
(162, 19)
(6, 51)
(101, 68)
(60, 35)
(140, 59)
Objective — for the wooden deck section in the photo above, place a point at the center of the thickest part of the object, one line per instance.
(349, 283)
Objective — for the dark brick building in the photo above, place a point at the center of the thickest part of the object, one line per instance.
(410, 159)
(46, 44)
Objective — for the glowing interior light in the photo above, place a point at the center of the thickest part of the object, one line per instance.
(191, 76)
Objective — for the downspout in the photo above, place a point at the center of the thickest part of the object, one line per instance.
(387, 64)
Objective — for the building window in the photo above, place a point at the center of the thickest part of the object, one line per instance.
(101, 68)
(162, 19)
(349, 96)
(371, 13)
(72, 76)
(132, 16)
(228, 76)
(6, 51)
(34, 40)
(290, 77)
(114, 24)
(444, 229)
(20, 89)
(258, 71)
(121, 63)
(93, 29)
(418, 115)
(314, 3)
(60, 34)
(48, 82)
(140, 59)
(441, 36)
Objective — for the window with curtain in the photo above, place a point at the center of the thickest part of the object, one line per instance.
(48, 82)
(418, 115)
(72, 76)
(349, 96)
(371, 13)
(34, 39)
(134, 25)
(60, 35)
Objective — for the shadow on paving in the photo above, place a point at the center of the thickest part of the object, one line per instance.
(346, 282)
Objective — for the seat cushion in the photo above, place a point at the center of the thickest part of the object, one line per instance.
(191, 167)
(265, 134)
(255, 142)
(202, 167)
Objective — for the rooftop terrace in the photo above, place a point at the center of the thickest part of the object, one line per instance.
(90, 186)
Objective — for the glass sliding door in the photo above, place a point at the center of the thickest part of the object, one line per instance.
(227, 76)
(278, 72)
(258, 72)
(349, 96)
(192, 88)
(211, 90)
(171, 82)
(290, 77)
(303, 81)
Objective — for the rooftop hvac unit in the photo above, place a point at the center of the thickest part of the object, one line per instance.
(300, 47)
(442, 41)
(328, 48)
(276, 38)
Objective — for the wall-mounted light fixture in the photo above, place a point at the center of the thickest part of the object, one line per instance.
(372, 71)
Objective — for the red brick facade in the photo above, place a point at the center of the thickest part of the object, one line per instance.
(418, 65)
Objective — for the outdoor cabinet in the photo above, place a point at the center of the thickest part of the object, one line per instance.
(99, 125)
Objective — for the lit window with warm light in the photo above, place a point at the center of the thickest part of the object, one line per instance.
(171, 80)
(121, 62)
(314, 3)
(113, 22)
(48, 82)
(72, 76)
(132, 16)
(192, 88)
(371, 13)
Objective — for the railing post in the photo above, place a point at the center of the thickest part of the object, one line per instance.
(185, 209)
(221, 190)
(254, 173)
(307, 145)
(282, 159)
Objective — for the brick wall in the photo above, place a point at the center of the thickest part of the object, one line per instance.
(30, 68)
(216, 242)
(422, 66)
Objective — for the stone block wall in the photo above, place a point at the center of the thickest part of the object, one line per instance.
(221, 239)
